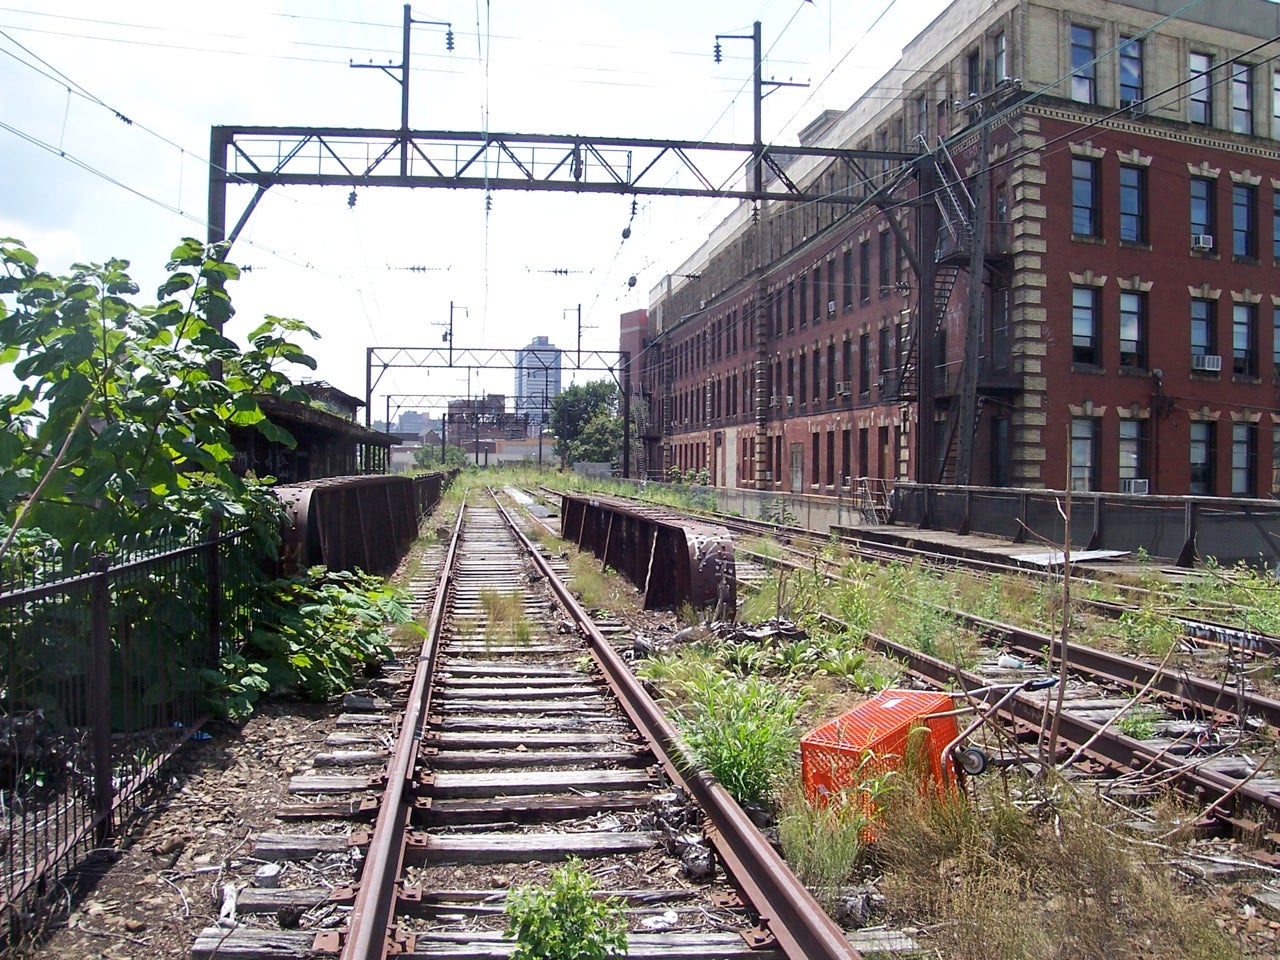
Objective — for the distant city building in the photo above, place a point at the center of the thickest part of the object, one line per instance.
(537, 380)
(411, 421)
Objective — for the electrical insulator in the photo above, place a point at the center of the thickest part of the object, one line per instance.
(718, 51)
(351, 199)
(633, 206)
(448, 39)
(626, 233)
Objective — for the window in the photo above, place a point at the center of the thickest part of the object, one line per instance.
(846, 359)
(922, 118)
(817, 375)
(847, 257)
(1275, 104)
(831, 371)
(864, 271)
(1275, 340)
(1084, 325)
(1131, 446)
(831, 456)
(974, 71)
(999, 59)
(804, 299)
(864, 364)
(1133, 330)
(1201, 446)
(1199, 90)
(1084, 197)
(1241, 98)
(1243, 229)
(1244, 355)
(886, 263)
(791, 307)
(832, 292)
(1130, 71)
(1275, 225)
(1244, 453)
(802, 388)
(1084, 453)
(1001, 473)
(817, 293)
(1133, 204)
(1202, 213)
(1083, 69)
(814, 460)
(1203, 339)
(884, 350)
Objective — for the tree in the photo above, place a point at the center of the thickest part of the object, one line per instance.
(428, 457)
(120, 423)
(585, 422)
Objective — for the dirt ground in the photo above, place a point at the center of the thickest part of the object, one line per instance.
(147, 898)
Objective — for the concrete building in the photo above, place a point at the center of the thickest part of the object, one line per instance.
(537, 381)
(1058, 271)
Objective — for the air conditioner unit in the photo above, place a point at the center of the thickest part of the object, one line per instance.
(1138, 108)
(1134, 486)
(790, 400)
(831, 306)
(1202, 241)
(1206, 362)
(842, 387)
(775, 401)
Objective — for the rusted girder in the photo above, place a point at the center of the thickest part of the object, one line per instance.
(670, 557)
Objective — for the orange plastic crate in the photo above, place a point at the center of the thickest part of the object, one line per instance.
(872, 739)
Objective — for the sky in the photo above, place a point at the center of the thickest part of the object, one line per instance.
(79, 184)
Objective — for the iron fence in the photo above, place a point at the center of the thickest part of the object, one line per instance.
(100, 682)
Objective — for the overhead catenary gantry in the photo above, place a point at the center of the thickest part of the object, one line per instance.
(264, 156)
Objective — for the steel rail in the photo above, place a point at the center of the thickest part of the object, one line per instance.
(1111, 747)
(799, 925)
(369, 927)
(1192, 691)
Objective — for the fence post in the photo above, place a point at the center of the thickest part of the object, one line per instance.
(100, 693)
(213, 556)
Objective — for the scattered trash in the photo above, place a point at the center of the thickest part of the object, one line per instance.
(662, 921)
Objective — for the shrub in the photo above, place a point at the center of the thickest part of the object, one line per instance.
(564, 920)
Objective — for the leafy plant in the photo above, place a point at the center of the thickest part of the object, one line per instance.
(564, 920)
(316, 630)
(742, 730)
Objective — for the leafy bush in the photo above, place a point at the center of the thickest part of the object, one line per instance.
(564, 921)
(743, 731)
(315, 631)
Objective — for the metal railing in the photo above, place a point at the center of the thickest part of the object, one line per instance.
(100, 682)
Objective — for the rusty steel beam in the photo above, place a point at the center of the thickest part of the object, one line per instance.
(795, 920)
(671, 558)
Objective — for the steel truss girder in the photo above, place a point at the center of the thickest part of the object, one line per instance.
(356, 157)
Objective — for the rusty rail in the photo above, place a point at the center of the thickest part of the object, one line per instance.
(787, 910)
(372, 912)
(671, 558)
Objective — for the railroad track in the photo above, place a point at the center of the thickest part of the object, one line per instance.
(514, 739)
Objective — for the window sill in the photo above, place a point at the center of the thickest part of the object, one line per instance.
(1245, 378)
(1205, 375)
(1127, 371)
(1205, 255)
(1247, 261)
(1089, 238)
(1089, 368)
(1135, 245)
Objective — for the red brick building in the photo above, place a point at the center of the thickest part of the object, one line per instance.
(1109, 178)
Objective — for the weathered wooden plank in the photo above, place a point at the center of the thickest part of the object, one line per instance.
(502, 740)
(701, 945)
(580, 721)
(493, 670)
(345, 738)
(297, 846)
(324, 810)
(459, 760)
(515, 693)
(522, 706)
(247, 943)
(350, 758)
(436, 849)
(307, 784)
(525, 782)
(269, 900)
(363, 720)
(531, 809)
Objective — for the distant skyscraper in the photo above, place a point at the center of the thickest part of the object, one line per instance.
(537, 380)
